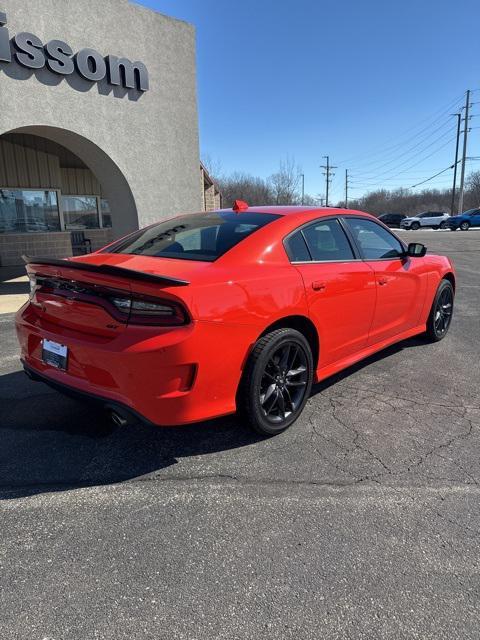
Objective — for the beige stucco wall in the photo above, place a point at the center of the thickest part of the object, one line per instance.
(142, 147)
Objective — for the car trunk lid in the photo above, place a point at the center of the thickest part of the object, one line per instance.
(91, 295)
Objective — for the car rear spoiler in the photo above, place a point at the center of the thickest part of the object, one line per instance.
(111, 270)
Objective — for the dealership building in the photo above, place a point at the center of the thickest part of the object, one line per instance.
(98, 124)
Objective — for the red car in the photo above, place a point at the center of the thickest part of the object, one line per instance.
(206, 314)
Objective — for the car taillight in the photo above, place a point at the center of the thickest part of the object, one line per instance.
(126, 308)
(152, 312)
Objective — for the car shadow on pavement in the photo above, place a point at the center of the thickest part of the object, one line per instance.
(53, 443)
(416, 341)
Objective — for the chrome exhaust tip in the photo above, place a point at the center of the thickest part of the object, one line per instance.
(117, 419)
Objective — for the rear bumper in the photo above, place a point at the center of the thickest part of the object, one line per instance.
(100, 401)
(165, 376)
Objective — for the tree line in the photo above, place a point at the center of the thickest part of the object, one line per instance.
(284, 188)
(411, 202)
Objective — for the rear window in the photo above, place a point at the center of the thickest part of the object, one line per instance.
(201, 236)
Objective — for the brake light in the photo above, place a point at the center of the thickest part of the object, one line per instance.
(120, 305)
(157, 312)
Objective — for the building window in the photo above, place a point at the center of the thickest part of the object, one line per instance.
(106, 213)
(25, 211)
(80, 212)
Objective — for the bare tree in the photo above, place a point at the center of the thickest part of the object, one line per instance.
(241, 186)
(473, 189)
(212, 165)
(285, 181)
(282, 188)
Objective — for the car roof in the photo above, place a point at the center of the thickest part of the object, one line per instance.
(297, 209)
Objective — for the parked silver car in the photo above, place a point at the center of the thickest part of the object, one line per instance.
(433, 219)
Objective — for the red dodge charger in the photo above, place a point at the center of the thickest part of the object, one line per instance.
(242, 309)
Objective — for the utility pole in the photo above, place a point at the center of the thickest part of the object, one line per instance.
(327, 173)
(459, 120)
(464, 154)
(303, 188)
(346, 188)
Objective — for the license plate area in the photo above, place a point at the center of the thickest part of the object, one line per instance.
(55, 354)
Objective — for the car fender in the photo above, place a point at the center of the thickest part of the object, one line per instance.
(438, 267)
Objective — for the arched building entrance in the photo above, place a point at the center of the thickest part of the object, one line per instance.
(54, 182)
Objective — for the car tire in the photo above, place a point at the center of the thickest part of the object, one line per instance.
(465, 226)
(269, 398)
(441, 313)
(415, 226)
(443, 225)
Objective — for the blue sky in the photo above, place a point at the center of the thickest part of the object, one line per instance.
(371, 83)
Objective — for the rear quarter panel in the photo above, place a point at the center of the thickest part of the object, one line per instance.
(257, 295)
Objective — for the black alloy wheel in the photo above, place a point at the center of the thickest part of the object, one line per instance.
(415, 226)
(277, 381)
(441, 313)
(443, 225)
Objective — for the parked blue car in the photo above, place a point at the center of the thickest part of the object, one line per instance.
(465, 220)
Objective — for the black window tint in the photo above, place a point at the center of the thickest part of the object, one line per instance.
(297, 248)
(201, 236)
(374, 241)
(326, 240)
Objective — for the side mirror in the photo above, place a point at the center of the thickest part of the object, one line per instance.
(416, 250)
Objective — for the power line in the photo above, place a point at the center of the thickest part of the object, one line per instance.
(384, 166)
(381, 184)
(413, 165)
(407, 151)
(432, 177)
(415, 155)
(442, 111)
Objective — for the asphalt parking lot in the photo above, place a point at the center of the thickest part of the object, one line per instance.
(361, 521)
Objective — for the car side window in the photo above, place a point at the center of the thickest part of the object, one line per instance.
(297, 249)
(327, 241)
(375, 242)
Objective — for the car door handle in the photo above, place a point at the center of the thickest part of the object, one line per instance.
(318, 286)
(382, 281)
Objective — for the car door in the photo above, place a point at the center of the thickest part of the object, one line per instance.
(475, 219)
(400, 281)
(387, 220)
(425, 219)
(436, 219)
(339, 286)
